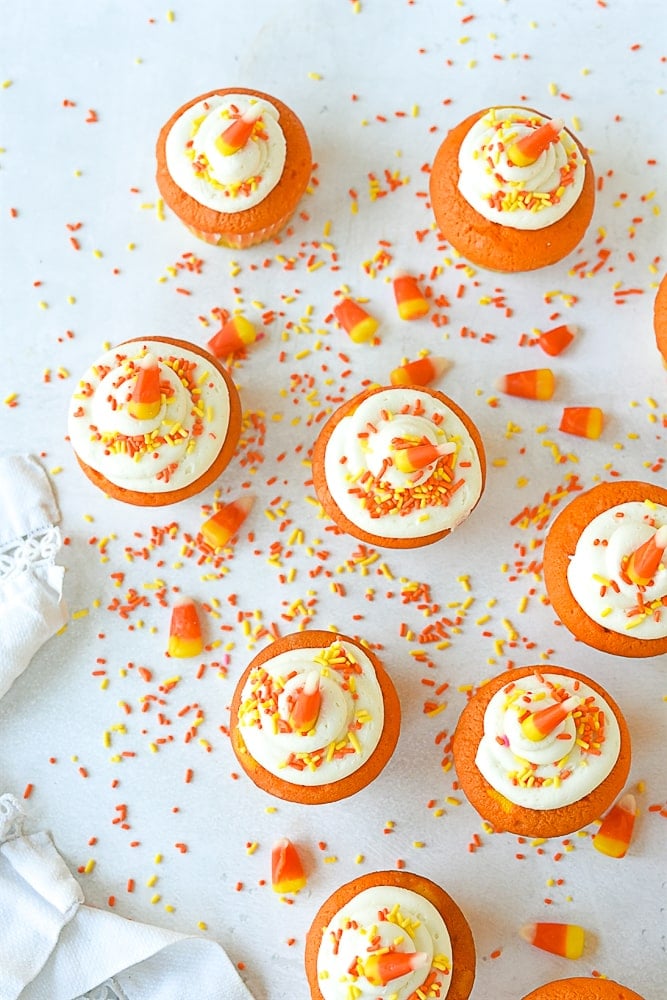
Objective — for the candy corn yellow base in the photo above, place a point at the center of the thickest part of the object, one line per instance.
(333, 791)
(505, 815)
(488, 244)
(559, 548)
(660, 319)
(582, 988)
(254, 225)
(223, 459)
(463, 945)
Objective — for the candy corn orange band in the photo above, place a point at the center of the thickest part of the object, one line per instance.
(530, 146)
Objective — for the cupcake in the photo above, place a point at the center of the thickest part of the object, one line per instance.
(582, 988)
(399, 466)
(511, 189)
(314, 718)
(233, 165)
(605, 569)
(154, 421)
(660, 318)
(390, 934)
(541, 752)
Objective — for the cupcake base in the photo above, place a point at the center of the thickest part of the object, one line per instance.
(559, 548)
(582, 988)
(222, 460)
(335, 790)
(660, 319)
(251, 226)
(330, 506)
(498, 810)
(488, 244)
(463, 945)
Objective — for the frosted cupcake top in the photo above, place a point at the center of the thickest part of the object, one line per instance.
(164, 438)
(523, 190)
(227, 170)
(312, 715)
(402, 464)
(604, 581)
(383, 930)
(548, 741)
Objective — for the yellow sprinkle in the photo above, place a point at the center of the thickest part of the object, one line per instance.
(156, 898)
(89, 866)
(314, 76)
(170, 15)
(150, 882)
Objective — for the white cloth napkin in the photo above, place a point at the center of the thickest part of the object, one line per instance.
(53, 946)
(31, 604)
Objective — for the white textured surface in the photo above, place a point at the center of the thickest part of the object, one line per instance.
(377, 91)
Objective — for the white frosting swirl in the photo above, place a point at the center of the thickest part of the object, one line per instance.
(596, 574)
(348, 727)
(565, 765)
(163, 453)
(528, 197)
(379, 498)
(410, 923)
(230, 183)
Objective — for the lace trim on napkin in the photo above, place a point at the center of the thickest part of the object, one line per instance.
(11, 818)
(29, 551)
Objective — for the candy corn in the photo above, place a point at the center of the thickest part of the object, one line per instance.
(423, 371)
(645, 561)
(306, 706)
(354, 319)
(584, 421)
(381, 967)
(185, 637)
(287, 873)
(555, 341)
(225, 523)
(146, 398)
(615, 833)
(539, 383)
(566, 940)
(410, 300)
(539, 724)
(235, 335)
(530, 147)
(237, 134)
(418, 456)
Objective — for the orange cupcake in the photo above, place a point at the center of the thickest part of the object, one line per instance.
(512, 190)
(660, 318)
(314, 718)
(154, 421)
(605, 568)
(582, 988)
(390, 929)
(399, 466)
(232, 165)
(541, 752)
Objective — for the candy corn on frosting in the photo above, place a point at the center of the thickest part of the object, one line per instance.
(154, 421)
(582, 988)
(511, 189)
(232, 165)
(400, 466)
(392, 934)
(605, 568)
(541, 753)
(314, 718)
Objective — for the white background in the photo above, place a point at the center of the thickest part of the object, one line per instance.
(377, 85)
